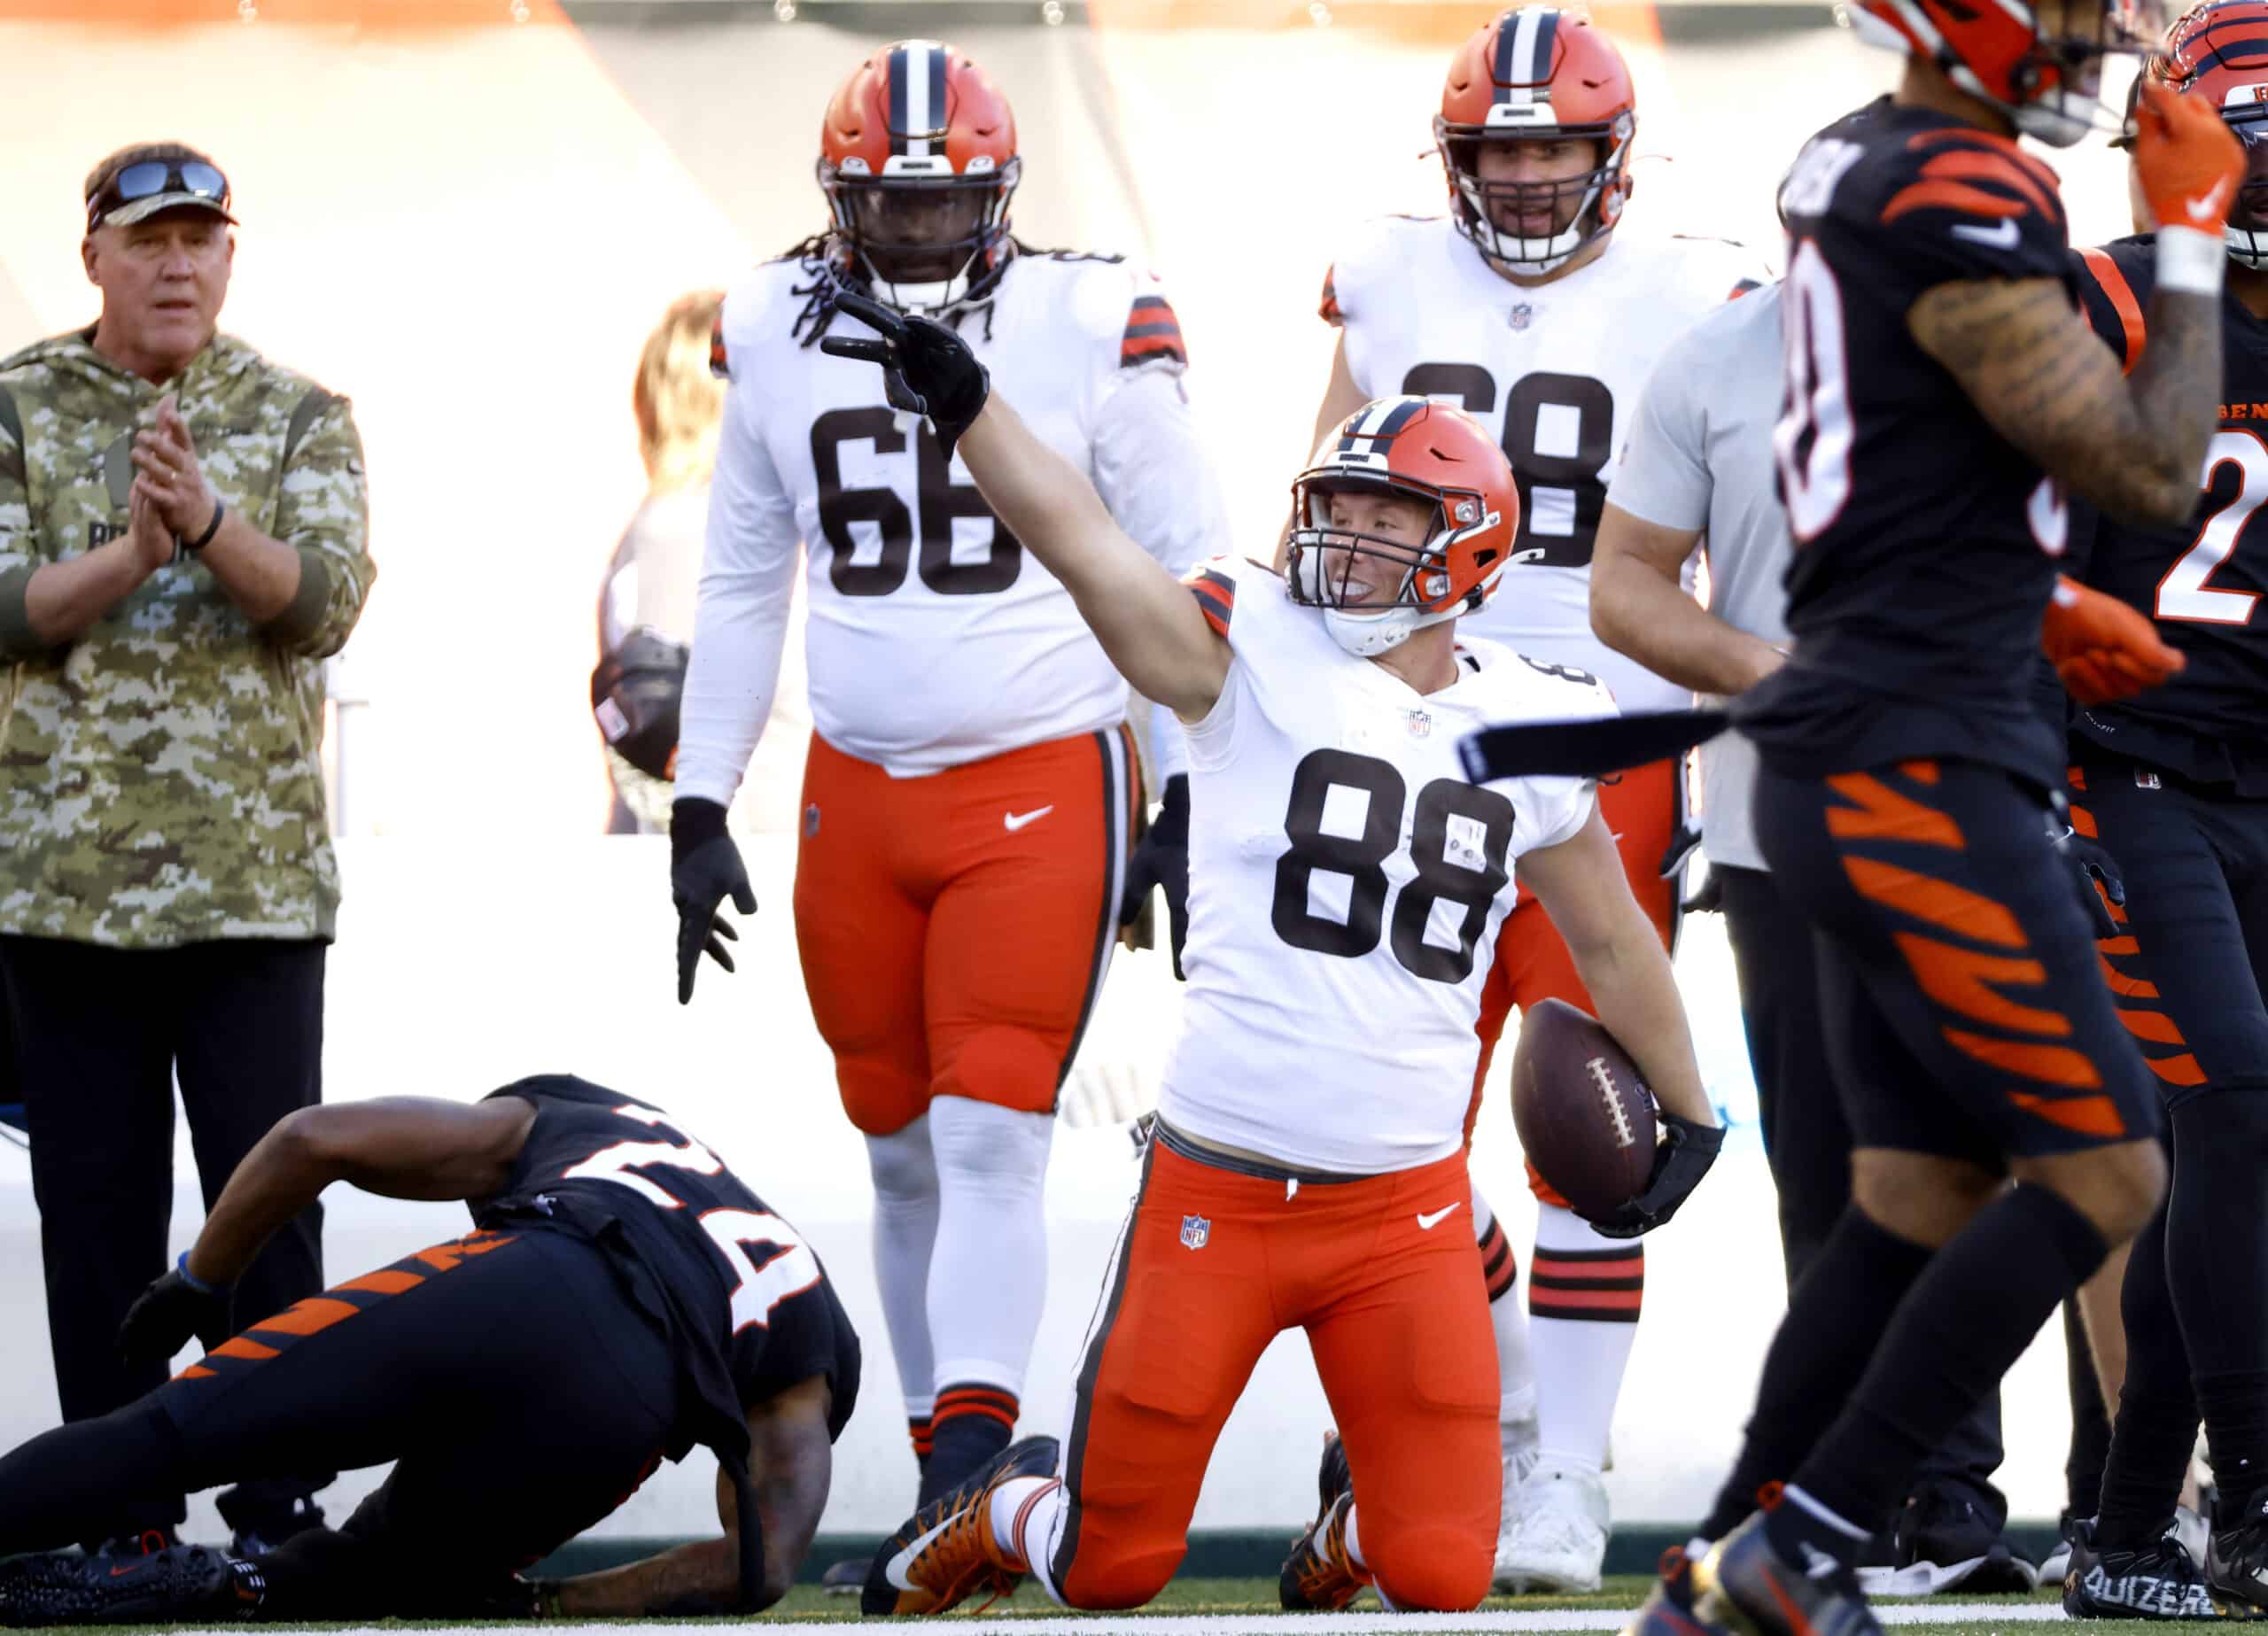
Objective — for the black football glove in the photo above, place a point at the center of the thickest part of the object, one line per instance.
(1706, 898)
(2093, 867)
(1687, 1151)
(1161, 859)
(705, 869)
(927, 368)
(165, 1315)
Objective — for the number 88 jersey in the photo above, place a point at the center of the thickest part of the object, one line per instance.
(1345, 886)
(1554, 371)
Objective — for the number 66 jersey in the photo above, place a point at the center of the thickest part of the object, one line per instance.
(1347, 885)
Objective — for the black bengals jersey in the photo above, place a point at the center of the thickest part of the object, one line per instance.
(746, 1305)
(2201, 581)
(1924, 540)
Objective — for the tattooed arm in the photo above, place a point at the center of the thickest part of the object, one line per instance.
(2035, 368)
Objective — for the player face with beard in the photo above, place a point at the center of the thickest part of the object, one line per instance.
(918, 235)
(1532, 191)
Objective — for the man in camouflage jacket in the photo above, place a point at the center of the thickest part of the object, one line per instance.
(182, 542)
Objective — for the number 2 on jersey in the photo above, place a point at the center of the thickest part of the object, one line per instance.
(2183, 594)
(1460, 836)
(941, 501)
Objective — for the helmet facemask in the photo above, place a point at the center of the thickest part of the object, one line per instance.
(926, 242)
(1375, 589)
(1597, 194)
(2050, 86)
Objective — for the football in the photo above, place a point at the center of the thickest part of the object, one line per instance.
(1585, 1118)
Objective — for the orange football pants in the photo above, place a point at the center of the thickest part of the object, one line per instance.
(1384, 1274)
(1641, 809)
(954, 929)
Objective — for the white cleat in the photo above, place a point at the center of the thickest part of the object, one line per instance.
(1518, 1439)
(1556, 1540)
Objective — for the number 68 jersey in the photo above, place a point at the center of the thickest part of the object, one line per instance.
(1345, 886)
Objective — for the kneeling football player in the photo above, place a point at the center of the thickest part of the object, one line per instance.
(1307, 1166)
(623, 1298)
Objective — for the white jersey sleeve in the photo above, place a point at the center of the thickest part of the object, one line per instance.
(747, 576)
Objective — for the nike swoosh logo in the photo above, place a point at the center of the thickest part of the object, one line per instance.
(117, 1573)
(896, 1569)
(2003, 236)
(1427, 1224)
(2206, 208)
(1013, 821)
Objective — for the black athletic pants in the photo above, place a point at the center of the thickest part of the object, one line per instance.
(100, 1034)
(1806, 1141)
(523, 1393)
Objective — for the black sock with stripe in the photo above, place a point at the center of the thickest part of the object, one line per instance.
(970, 1425)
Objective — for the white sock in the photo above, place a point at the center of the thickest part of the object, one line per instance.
(906, 1225)
(988, 1272)
(1581, 1328)
(1515, 1369)
(1038, 1503)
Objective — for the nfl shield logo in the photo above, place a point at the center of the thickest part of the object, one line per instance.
(1421, 724)
(1195, 1229)
(1520, 316)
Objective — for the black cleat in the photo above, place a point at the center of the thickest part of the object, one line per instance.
(1745, 1584)
(2158, 1582)
(1943, 1543)
(1668, 1609)
(2236, 1564)
(178, 1585)
(847, 1578)
(944, 1553)
(1319, 1576)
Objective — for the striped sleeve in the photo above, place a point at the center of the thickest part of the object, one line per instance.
(1152, 332)
(1216, 595)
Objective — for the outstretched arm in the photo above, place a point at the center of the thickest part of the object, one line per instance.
(791, 1462)
(1146, 620)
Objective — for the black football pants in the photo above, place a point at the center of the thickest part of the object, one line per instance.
(100, 1036)
(1806, 1141)
(523, 1393)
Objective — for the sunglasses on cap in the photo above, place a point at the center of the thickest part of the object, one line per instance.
(174, 181)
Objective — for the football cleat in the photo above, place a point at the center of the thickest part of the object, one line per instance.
(2158, 1582)
(945, 1552)
(1668, 1609)
(2057, 1563)
(1745, 1584)
(1320, 1575)
(2236, 1564)
(847, 1578)
(1942, 1543)
(1558, 1540)
(177, 1585)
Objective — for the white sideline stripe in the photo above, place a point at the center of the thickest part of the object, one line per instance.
(1268, 1624)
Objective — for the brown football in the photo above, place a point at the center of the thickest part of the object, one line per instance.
(1584, 1116)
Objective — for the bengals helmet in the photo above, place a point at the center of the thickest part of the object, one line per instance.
(2220, 51)
(1537, 74)
(1416, 449)
(2048, 83)
(918, 159)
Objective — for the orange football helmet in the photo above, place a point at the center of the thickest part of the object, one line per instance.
(1537, 74)
(1416, 449)
(918, 161)
(2049, 84)
(2220, 51)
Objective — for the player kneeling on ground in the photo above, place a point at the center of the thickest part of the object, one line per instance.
(624, 1298)
(1344, 895)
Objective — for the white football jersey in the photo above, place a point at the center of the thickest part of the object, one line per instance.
(1345, 886)
(934, 638)
(1554, 371)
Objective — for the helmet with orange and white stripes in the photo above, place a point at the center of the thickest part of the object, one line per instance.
(918, 159)
(2038, 60)
(2220, 51)
(1380, 573)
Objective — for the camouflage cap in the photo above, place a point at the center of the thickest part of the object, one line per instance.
(170, 174)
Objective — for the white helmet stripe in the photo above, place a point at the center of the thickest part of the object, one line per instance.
(924, 62)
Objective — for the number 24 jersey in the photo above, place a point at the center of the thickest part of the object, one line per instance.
(1347, 885)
